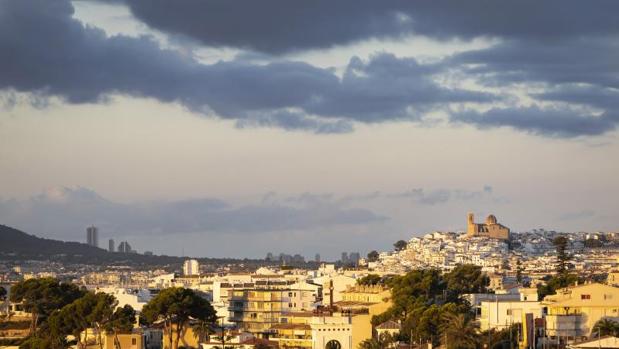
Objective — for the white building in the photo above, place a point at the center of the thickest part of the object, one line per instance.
(137, 299)
(502, 313)
(191, 267)
(331, 332)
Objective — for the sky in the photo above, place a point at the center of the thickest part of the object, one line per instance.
(235, 128)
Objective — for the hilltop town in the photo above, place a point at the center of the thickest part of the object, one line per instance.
(537, 288)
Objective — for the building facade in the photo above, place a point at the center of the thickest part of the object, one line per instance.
(256, 310)
(92, 236)
(573, 311)
(191, 267)
(491, 228)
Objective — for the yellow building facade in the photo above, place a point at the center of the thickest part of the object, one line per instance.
(573, 311)
(133, 340)
(362, 302)
(310, 330)
(256, 310)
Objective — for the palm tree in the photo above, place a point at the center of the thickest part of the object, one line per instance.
(605, 327)
(459, 331)
(383, 341)
(497, 339)
(201, 330)
(371, 343)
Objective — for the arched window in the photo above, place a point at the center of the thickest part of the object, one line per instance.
(333, 344)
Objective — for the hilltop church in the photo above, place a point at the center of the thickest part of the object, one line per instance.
(490, 229)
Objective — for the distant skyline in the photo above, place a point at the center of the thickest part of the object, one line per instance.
(236, 129)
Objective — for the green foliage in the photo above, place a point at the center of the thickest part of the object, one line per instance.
(61, 309)
(383, 341)
(458, 330)
(563, 278)
(373, 256)
(175, 306)
(563, 257)
(500, 339)
(554, 283)
(2, 293)
(400, 245)
(418, 285)
(122, 320)
(43, 296)
(370, 279)
(380, 318)
(94, 310)
(465, 279)
(605, 327)
(426, 301)
(34, 342)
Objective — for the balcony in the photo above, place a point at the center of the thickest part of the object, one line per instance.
(564, 325)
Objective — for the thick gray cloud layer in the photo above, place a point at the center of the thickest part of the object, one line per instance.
(54, 54)
(550, 122)
(281, 25)
(558, 45)
(65, 212)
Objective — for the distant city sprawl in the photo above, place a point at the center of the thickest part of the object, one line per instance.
(484, 287)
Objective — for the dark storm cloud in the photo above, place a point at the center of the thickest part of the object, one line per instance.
(582, 59)
(551, 122)
(65, 212)
(556, 44)
(45, 51)
(389, 87)
(582, 74)
(585, 95)
(281, 25)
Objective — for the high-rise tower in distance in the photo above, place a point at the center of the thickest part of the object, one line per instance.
(110, 246)
(92, 236)
(191, 267)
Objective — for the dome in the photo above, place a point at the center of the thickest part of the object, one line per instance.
(491, 219)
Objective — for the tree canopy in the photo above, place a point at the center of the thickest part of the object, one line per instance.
(605, 327)
(373, 256)
(43, 296)
(370, 279)
(175, 306)
(563, 257)
(426, 300)
(400, 245)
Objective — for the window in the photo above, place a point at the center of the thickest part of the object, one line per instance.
(509, 312)
(333, 344)
(585, 296)
(134, 341)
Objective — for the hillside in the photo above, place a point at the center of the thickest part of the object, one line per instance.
(17, 245)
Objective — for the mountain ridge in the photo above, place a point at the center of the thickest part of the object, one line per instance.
(18, 245)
